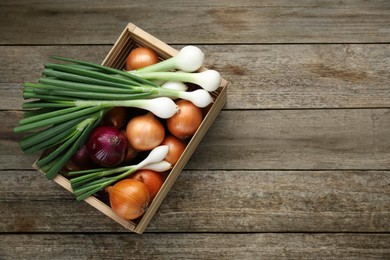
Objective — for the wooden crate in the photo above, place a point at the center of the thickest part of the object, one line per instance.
(131, 37)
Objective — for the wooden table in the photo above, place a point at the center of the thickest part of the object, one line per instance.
(297, 165)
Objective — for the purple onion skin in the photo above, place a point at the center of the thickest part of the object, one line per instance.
(82, 158)
(107, 146)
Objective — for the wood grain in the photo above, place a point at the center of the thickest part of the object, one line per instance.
(206, 22)
(296, 166)
(268, 139)
(215, 201)
(296, 139)
(261, 76)
(196, 246)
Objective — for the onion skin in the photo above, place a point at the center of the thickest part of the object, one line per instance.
(186, 121)
(107, 146)
(176, 148)
(141, 57)
(116, 117)
(129, 198)
(82, 159)
(151, 179)
(145, 132)
(131, 154)
(70, 166)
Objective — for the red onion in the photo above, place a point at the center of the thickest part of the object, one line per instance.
(82, 158)
(107, 146)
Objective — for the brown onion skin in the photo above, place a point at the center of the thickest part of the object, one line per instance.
(186, 121)
(70, 166)
(153, 180)
(129, 198)
(141, 57)
(116, 117)
(131, 154)
(176, 148)
(145, 132)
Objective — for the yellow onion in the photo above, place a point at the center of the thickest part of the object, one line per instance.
(185, 122)
(116, 117)
(145, 132)
(176, 148)
(141, 57)
(153, 180)
(129, 198)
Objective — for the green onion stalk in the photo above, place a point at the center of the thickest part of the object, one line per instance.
(88, 182)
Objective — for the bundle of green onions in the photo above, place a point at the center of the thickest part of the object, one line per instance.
(69, 101)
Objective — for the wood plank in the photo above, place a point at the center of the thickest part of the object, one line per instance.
(296, 166)
(296, 139)
(248, 21)
(261, 76)
(215, 201)
(25, 63)
(195, 246)
(304, 76)
(268, 139)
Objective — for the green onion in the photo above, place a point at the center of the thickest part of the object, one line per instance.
(105, 69)
(54, 117)
(64, 71)
(69, 100)
(74, 143)
(189, 59)
(89, 182)
(51, 136)
(209, 80)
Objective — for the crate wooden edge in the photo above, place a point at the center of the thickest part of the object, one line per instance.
(147, 39)
(164, 51)
(189, 150)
